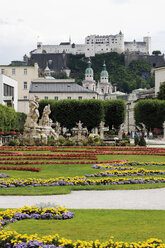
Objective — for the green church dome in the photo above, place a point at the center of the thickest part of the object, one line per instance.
(89, 70)
(104, 72)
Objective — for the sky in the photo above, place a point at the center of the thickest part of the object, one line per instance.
(24, 23)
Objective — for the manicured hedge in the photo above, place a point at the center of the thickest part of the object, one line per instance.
(151, 113)
(90, 112)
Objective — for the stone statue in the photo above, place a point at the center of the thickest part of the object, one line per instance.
(101, 130)
(144, 129)
(121, 130)
(164, 130)
(34, 133)
(45, 121)
(58, 129)
(33, 115)
(79, 125)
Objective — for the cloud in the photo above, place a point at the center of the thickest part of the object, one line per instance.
(121, 1)
(3, 22)
(20, 20)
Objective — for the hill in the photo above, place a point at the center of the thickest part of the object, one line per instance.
(136, 75)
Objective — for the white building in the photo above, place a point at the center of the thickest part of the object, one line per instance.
(8, 91)
(96, 44)
(159, 77)
(23, 74)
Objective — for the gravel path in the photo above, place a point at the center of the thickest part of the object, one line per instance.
(114, 199)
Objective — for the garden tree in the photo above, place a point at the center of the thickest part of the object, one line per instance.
(10, 120)
(69, 112)
(66, 112)
(20, 121)
(161, 93)
(91, 113)
(114, 113)
(150, 112)
(2, 116)
(156, 52)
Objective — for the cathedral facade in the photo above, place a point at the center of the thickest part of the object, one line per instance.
(103, 87)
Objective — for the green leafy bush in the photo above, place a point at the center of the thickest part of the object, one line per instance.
(150, 112)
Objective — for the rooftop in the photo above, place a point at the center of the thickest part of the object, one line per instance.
(54, 87)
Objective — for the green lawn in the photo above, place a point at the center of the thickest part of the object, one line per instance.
(124, 225)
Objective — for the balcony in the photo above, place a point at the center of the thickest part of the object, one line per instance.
(7, 98)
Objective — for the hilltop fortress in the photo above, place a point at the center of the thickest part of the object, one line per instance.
(95, 44)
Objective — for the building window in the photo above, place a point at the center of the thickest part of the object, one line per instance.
(25, 85)
(13, 71)
(69, 97)
(25, 71)
(2, 71)
(25, 97)
(56, 98)
(46, 97)
(8, 90)
(80, 98)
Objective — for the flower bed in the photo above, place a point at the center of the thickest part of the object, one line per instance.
(12, 239)
(3, 175)
(110, 165)
(50, 158)
(69, 181)
(130, 153)
(12, 215)
(133, 172)
(53, 162)
(103, 150)
(20, 168)
(15, 240)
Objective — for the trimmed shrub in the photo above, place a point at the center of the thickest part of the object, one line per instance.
(114, 113)
(150, 112)
(90, 112)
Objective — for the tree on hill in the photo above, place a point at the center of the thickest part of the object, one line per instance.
(161, 93)
(156, 52)
(140, 67)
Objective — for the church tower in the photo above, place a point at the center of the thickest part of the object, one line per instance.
(89, 82)
(104, 87)
(104, 75)
(89, 72)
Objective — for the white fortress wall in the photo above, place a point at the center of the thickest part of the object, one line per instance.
(97, 44)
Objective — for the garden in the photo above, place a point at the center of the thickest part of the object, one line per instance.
(47, 170)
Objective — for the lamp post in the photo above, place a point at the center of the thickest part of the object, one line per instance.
(128, 109)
